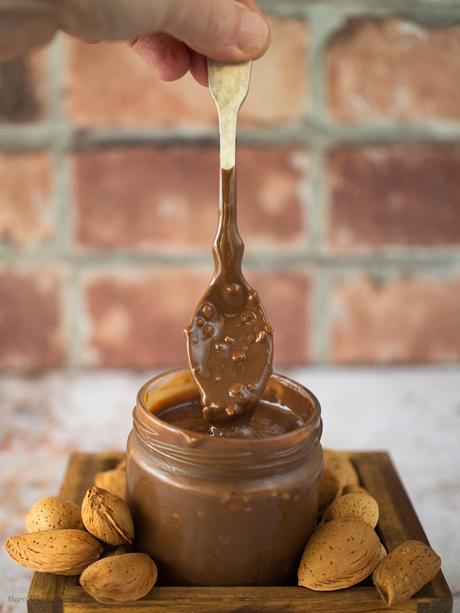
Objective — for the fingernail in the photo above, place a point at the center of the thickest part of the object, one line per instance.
(253, 32)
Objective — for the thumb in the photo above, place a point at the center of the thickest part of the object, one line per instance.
(222, 29)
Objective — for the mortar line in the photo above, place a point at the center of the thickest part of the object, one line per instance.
(267, 258)
(320, 29)
(297, 262)
(307, 133)
(428, 8)
(62, 178)
(316, 127)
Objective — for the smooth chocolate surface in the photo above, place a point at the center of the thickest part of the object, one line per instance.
(229, 340)
(267, 420)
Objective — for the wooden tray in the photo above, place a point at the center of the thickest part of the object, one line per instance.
(398, 522)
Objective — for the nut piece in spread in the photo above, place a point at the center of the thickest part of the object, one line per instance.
(120, 578)
(107, 517)
(405, 570)
(62, 552)
(53, 513)
(339, 554)
(354, 506)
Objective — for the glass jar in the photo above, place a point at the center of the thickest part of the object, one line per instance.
(222, 511)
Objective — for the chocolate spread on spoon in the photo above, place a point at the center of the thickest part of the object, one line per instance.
(230, 342)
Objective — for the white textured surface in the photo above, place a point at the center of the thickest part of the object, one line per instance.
(414, 413)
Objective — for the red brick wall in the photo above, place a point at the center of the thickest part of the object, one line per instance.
(349, 194)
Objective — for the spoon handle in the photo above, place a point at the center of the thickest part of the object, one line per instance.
(229, 85)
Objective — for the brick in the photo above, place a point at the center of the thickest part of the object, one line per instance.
(286, 296)
(393, 69)
(167, 198)
(406, 319)
(405, 196)
(280, 79)
(25, 197)
(23, 88)
(136, 317)
(109, 85)
(31, 334)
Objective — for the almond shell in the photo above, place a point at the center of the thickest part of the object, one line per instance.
(338, 555)
(107, 517)
(354, 506)
(405, 570)
(53, 513)
(62, 552)
(120, 578)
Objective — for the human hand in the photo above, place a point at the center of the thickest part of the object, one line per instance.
(173, 36)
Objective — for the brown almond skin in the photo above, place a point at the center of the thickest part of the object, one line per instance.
(120, 578)
(329, 489)
(338, 555)
(354, 506)
(53, 513)
(339, 464)
(107, 517)
(114, 481)
(405, 570)
(62, 552)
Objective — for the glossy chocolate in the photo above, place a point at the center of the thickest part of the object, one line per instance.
(229, 340)
(267, 420)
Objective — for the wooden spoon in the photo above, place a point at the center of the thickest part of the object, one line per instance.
(229, 340)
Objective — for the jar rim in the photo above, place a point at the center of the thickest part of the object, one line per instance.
(303, 432)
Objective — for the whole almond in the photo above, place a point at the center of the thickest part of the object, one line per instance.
(354, 506)
(62, 552)
(120, 578)
(405, 570)
(53, 513)
(107, 517)
(339, 463)
(114, 481)
(339, 554)
(329, 489)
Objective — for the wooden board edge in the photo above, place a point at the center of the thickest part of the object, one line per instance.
(378, 466)
(45, 593)
(39, 602)
(261, 599)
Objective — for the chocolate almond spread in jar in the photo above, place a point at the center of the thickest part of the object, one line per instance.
(224, 505)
